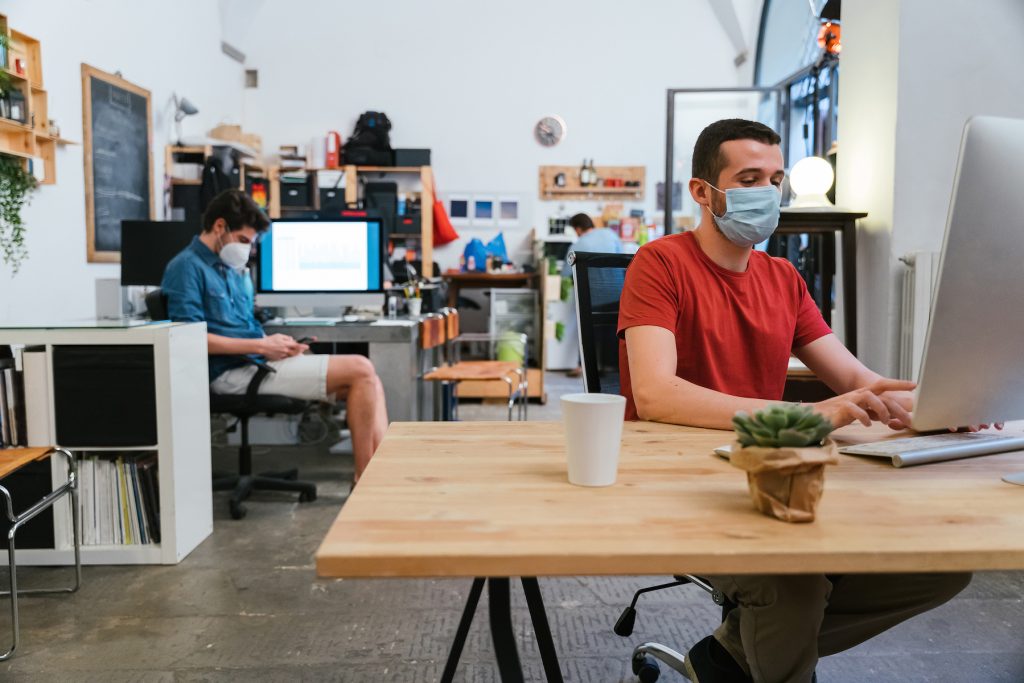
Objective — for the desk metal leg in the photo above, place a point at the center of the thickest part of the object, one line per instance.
(502, 633)
(500, 609)
(463, 632)
(542, 630)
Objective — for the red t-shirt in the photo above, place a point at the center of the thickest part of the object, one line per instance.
(734, 331)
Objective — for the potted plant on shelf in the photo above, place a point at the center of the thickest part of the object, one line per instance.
(15, 185)
(784, 449)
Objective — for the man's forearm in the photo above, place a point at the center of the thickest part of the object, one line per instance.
(676, 401)
(218, 345)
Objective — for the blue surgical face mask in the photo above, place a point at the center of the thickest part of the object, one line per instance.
(751, 214)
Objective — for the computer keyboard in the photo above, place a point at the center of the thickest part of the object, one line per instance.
(310, 321)
(918, 450)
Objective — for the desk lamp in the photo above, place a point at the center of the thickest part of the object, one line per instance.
(810, 180)
(182, 108)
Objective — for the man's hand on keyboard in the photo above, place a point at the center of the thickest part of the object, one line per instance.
(883, 401)
(976, 428)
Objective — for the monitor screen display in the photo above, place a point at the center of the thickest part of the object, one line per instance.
(148, 246)
(321, 256)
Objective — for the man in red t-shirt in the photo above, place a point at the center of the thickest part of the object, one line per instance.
(707, 326)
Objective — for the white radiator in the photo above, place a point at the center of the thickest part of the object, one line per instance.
(918, 290)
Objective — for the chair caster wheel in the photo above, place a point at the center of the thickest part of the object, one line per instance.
(646, 668)
(237, 510)
(307, 496)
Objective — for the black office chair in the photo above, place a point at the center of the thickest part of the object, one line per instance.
(598, 281)
(243, 407)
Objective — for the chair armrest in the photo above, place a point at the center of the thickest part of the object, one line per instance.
(263, 370)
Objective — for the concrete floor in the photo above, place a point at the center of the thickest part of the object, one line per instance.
(246, 605)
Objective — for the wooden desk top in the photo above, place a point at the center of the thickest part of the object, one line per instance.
(492, 499)
(13, 459)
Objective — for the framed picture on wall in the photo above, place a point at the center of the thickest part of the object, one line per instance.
(458, 209)
(484, 210)
(508, 210)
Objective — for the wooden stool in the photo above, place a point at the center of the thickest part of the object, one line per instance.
(12, 460)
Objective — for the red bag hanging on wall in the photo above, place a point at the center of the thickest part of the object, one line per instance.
(443, 230)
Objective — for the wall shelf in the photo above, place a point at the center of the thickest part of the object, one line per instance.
(31, 142)
(570, 188)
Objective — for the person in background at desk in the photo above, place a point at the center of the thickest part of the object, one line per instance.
(706, 327)
(203, 283)
(588, 238)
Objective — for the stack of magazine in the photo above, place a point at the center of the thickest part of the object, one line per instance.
(119, 499)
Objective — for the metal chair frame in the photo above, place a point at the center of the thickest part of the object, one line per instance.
(518, 387)
(17, 520)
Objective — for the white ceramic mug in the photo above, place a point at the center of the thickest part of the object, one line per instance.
(415, 305)
(593, 436)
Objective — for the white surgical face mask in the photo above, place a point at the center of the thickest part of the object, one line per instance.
(235, 255)
(751, 214)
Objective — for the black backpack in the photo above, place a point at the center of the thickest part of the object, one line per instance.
(370, 143)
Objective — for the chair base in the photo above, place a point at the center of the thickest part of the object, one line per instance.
(242, 486)
(645, 661)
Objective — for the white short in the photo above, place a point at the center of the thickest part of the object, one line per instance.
(303, 377)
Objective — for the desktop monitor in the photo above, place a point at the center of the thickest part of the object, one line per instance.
(148, 246)
(321, 262)
(972, 371)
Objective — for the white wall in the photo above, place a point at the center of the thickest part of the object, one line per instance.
(161, 46)
(470, 79)
(912, 73)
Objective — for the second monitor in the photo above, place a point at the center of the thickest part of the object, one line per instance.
(335, 262)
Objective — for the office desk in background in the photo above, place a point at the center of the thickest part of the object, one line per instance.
(460, 499)
(394, 349)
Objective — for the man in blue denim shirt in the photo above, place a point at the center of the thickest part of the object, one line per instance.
(204, 283)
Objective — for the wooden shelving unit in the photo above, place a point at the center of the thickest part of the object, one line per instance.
(249, 170)
(426, 234)
(549, 189)
(30, 140)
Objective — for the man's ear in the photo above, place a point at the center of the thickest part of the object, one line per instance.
(700, 192)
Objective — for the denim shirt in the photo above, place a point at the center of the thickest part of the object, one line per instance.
(199, 287)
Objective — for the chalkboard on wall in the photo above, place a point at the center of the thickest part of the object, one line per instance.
(118, 159)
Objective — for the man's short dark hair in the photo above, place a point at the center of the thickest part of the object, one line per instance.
(581, 221)
(237, 209)
(707, 153)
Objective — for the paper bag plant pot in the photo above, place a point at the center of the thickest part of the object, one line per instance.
(786, 483)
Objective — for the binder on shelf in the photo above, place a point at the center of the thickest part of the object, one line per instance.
(37, 397)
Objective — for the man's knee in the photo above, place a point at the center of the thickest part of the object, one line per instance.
(351, 369)
(806, 593)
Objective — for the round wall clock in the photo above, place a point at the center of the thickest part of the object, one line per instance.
(550, 130)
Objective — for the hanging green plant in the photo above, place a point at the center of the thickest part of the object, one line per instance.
(15, 185)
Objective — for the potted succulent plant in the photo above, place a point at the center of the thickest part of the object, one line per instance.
(784, 449)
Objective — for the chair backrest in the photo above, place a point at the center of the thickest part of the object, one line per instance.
(156, 305)
(598, 281)
(451, 316)
(432, 331)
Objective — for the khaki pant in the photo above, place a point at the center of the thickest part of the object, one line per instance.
(784, 623)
